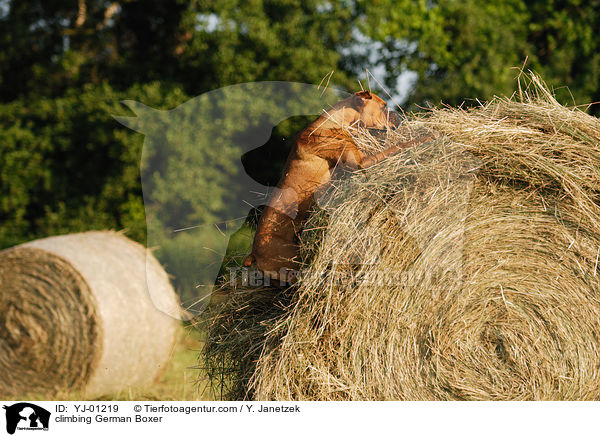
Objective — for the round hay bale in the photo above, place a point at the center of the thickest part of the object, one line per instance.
(465, 268)
(76, 315)
(236, 326)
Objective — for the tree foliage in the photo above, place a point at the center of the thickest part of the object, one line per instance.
(67, 165)
(465, 49)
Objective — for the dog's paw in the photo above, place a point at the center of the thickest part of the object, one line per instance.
(250, 259)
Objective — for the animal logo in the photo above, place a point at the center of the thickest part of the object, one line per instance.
(26, 416)
(197, 190)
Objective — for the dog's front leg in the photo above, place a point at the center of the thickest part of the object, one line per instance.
(378, 157)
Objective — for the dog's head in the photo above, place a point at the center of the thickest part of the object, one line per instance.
(372, 111)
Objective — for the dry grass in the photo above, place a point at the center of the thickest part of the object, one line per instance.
(182, 381)
(236, 328)
(464, 268)
(76, 314)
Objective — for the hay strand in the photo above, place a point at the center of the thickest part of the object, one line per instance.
(76, 315)
(461, 269)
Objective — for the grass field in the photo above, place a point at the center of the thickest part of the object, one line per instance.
(182, 381)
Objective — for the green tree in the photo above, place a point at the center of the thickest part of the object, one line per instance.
(201, 45)
(465, 49)
(241, 41)
(64, 66)
(49, 46)
(66, 165)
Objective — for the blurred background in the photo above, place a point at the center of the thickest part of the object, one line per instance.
(66, 165)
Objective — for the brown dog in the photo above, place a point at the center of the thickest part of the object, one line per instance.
(316, 150)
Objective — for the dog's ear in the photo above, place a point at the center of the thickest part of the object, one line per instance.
(358, 99)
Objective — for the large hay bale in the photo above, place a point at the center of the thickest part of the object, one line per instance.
(237, 327)
(464, 268)
(76, 315)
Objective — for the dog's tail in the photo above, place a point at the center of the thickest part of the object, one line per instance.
(250, 259)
